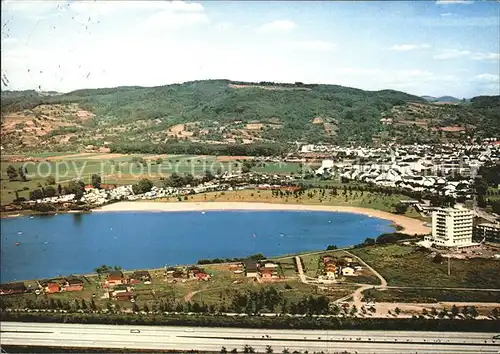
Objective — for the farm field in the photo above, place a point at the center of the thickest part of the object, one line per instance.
(404, 265)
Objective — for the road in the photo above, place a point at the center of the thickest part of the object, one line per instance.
(213, 339)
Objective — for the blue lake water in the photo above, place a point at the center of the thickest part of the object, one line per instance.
(76, 244)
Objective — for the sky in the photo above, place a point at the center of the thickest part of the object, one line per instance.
(423, 47)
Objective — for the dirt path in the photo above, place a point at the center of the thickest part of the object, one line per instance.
(357, 296)
(190, 295)
(383, 282)
(300, 270)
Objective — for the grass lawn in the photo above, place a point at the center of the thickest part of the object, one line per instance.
(356, 199)
(431, 296)
(278, 168)
(406, 266)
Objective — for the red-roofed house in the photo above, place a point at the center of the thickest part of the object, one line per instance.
(115, 278)
(203, 276)
(52, 288)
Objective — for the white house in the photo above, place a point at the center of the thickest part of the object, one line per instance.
(348, 271)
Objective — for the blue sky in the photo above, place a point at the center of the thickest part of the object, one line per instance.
(422, 47)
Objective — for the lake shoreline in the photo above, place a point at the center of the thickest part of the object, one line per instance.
(408, 225)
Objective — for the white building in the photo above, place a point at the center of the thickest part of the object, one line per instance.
(452, 227)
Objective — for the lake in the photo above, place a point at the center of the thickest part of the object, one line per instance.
(77, 243)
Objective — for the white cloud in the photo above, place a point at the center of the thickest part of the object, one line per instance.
(486, 56)
(277, 26)
(490, 78)
(447, 14)
(409, 47)
(454, 2)
(455, 53)
(313, 45)
(452, 54)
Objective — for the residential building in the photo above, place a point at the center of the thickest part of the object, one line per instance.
(52, 288)
(115, 278)
(203, 276)
(251, 268)
(12, 288)
(451, 227)
(487, 232)
(268, 273)
(125, 296)
(140, 276)
(348, 271)
(73, 284)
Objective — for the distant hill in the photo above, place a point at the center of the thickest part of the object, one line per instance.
(201, 116)
(442, 99)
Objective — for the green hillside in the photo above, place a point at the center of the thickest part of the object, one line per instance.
(220, 111)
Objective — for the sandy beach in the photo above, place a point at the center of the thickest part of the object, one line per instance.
(410, 226)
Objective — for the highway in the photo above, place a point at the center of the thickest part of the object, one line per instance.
(213, 339)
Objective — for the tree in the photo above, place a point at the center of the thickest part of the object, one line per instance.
(286, 351)
(50, 191)
(434, 312)
(454, 311)
(36, 194)
(369, 241)
(11, 172)
(354, 310)
(495, 312)
(135, 308)
(22, 175)
(59, 189)
(480, 186)
(269, 349)
(401, 208)
(473, 311)
(77, 188)
(397, 310)
(209, 176)
(331, 247)
(96, 181)
(159, 161)
(248, 349)
(438, 258)
(143, 186)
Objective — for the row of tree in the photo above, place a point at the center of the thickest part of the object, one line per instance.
(415, 323)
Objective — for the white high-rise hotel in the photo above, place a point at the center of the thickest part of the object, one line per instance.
(452, 227)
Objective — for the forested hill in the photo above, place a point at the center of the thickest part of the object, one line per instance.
(217, 111)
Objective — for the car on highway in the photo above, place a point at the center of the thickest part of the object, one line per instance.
(135, 331)
(189, 330)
